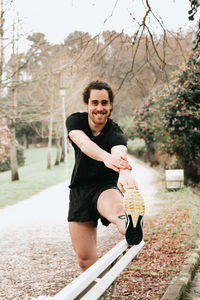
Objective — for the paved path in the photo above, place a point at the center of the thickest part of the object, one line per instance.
(148, 180)
(36, 256)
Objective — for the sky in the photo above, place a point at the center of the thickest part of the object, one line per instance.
(58, 18)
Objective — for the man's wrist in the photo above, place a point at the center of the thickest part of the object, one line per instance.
(104, 155)
(124, 171)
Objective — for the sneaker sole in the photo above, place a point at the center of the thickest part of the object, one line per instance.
(135, 208)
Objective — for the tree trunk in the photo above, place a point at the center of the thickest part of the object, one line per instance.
(2, 20)
(14, 82)
(57, 162)
(13, 154)
(27, 142)
(62, 157)
(25, 138)
(49, 158)
(49, 144)
(50, 135)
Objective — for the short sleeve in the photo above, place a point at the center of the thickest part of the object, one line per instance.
(74, 122)
(117, 138)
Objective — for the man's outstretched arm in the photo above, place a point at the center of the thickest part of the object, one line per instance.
(126, 179)
(91, 149)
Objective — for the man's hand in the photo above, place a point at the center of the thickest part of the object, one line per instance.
(126, 181)
(116, 163)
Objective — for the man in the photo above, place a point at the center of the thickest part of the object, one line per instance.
(101, 174)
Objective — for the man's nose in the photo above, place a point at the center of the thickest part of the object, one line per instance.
(100, 106)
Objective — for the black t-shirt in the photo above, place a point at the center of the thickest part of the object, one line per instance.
(87, 170)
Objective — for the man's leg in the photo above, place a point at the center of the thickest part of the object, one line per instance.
(84, 241)
(110, 206)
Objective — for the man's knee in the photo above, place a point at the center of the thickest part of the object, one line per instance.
(86, 261)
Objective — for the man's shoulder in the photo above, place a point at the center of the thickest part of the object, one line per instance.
(79, 115)
(113, 126)
(77, 121)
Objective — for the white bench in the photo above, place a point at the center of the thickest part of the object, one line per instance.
(95, 281)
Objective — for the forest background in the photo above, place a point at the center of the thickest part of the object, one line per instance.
(155, 78)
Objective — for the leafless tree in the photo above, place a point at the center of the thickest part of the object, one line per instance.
(132, 64)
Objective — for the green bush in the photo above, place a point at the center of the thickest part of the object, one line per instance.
(5, 163)
(169, 120)
(182, 115)
(127, 125)
(147, 121)
(20, 156)
(137, 147)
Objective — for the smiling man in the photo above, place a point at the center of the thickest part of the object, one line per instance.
(101, 174)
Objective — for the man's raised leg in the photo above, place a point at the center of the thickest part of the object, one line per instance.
(84, 241)
(110, 206)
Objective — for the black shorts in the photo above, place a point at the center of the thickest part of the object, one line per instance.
(83, 203)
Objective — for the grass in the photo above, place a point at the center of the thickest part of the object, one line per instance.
(34, 176)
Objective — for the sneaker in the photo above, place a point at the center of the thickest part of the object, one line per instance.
(134, 212)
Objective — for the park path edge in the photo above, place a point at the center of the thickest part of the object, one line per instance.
(180, 284)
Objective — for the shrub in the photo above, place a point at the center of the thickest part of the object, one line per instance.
(5, 162)
(169, 120)
(182, 117)
(20, 155)
(146, 122)
(127, 125)
(137, 147)
(4, 140)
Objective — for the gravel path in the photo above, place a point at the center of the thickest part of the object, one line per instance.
(36, 255)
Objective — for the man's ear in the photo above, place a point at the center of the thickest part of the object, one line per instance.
(111, 103)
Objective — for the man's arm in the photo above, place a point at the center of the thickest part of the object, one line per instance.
(91, 149)
(126, 179)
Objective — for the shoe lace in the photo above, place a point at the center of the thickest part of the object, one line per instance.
(122, 217)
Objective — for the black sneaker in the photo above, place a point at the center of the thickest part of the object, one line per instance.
(134, 211)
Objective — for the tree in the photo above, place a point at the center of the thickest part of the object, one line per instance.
(12, 122)
(195, 4)
(169, 120)
(116, 54)
(1, 44)
(127, 62)
(182, 116)
(25, 130)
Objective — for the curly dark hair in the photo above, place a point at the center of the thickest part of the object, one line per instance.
(97, 85)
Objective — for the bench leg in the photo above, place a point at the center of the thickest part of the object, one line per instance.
(113, 288)
(113, 285)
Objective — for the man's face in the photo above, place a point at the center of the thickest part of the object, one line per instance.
(99, 106)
